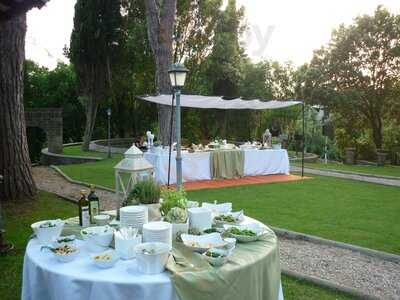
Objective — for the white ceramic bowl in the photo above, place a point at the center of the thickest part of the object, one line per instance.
(45, 234)
(238, 216)
(201, 243)
(259, 231)
(200, 218)
(101, 220)
(218, 208)
(152, 258)
(64, 240)
(217, 261)
(105, 263)
(97, 238)
(67, 257)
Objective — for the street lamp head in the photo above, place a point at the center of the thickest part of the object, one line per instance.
(109, 111)
(177, 74)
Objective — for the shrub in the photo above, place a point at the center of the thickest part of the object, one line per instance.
(146, 191)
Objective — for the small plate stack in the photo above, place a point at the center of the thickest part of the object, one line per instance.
(157, 232)
(134, 216)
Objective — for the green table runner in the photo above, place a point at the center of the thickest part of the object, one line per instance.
(252, 273)
(227, 164)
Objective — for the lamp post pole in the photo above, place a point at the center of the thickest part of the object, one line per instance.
(109, 132)
(177, 73)
(178, 140)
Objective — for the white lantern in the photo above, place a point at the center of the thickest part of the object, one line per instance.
(177, 75)
(133, 168)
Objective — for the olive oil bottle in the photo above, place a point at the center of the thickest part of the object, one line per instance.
(84, 217)
(94, 203)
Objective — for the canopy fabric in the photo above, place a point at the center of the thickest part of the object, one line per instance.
(197, 101)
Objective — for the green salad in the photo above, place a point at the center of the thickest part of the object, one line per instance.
(214, 254)
(226, 218)
(237, 231)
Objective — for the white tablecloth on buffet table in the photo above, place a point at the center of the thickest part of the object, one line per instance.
(266, 162)
(44, 278)
(195, 166)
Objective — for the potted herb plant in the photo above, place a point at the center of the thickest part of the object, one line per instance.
(174, 210)
(276, 143)
(146, 192)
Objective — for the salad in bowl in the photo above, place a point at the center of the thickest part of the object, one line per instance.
(47, 231)
(245, 233)
(98, 238)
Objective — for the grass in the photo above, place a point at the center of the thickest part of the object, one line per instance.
(18, 220)
(343, 210)
(100, 172)
(354, 212)
(76, 151)
(387, 170)
(48, 206)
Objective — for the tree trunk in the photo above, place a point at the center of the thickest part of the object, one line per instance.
(376, 124)
(91, 112)
(160, 26)
(15, 164)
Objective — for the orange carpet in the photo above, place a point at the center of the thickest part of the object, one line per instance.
(220, 183)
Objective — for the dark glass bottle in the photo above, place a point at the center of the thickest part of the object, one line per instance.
(94, 203)
(84, 217)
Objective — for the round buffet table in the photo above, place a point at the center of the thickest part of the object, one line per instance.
(46, 278)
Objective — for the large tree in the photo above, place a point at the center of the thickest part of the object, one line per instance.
(93, 50)
(357, 73)
(15, 164)
(160, 17)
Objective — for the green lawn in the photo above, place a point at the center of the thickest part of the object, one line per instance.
(76, 151)
(387, 170)
(354, 212)
(47, 206)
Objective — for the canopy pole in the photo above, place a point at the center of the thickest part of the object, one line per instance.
(304, 141)
(170, 138)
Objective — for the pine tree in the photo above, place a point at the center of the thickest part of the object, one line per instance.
(95, 40)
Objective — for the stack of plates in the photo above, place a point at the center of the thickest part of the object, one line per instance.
(133, 216)
(158, 232)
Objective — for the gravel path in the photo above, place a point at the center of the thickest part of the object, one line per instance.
(352, 176)
(343, 267)
(49, 180)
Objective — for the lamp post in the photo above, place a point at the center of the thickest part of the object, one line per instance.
(109, 132)
(177, 74)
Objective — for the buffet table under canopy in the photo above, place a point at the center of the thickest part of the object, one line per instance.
(198, 165)
(253, 272)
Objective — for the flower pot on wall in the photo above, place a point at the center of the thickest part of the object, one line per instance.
(381, 157)
(350, 158)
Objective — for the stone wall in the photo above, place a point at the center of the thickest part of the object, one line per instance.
(50, 120)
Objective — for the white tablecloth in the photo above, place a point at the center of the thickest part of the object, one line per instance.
(44, 278)
(196, 166)
(266, 162)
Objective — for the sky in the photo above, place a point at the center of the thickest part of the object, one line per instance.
(282, 30)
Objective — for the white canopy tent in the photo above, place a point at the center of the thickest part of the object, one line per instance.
(218, 102)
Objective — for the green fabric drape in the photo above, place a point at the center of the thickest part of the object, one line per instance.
(252, 273)
(227, 164)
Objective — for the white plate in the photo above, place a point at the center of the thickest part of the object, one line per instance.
(201, 243)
